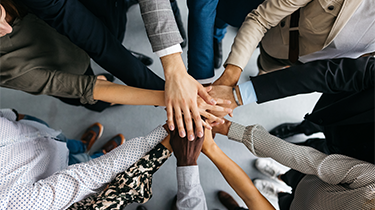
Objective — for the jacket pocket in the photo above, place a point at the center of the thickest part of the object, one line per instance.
(319, 15)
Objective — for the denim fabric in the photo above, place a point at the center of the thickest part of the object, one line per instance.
(201, 22)
(28, 117)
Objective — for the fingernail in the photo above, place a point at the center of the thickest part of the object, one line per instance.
(200, 134)
(182, 134)
(213, 101)
(191, 137)
(171, 127)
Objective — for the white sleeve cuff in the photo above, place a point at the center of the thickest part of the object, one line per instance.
(169, 50)
(247, 92)
(9, 114)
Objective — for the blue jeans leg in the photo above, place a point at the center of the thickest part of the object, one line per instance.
(97, 154)
(77, 151)
(201, 22)
(28, 117)
(220, 29)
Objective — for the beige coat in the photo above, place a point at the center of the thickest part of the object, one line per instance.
(320, 22)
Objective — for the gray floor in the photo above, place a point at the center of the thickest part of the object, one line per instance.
(135, 121)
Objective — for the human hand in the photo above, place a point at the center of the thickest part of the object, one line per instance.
(220, 109)
(222, 129)
(225, 93)
(230, 76)
(186, 152)
(181, 91)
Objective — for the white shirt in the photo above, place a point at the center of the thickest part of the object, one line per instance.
(355, 39)
(33, 175)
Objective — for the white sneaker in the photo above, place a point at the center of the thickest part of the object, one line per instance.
(267, 188)
(268, 168)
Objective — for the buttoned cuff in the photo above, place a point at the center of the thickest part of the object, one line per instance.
(169, 50)
(188, 175)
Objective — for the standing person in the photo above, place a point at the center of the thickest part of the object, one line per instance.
(332, 181)
(318, 30)
(100, 31)
(346, 105)
(35, 172)
(207, 24)
(38, 60)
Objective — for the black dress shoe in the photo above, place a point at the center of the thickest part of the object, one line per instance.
(180, 25)
(218, 53)
(141, 208)
(143, 58)
(227, 200)
(286, 130)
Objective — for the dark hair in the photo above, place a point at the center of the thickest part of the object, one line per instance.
(14, 8)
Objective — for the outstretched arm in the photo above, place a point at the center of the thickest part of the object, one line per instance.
(234, 175)
(181, 91)
(121, 94)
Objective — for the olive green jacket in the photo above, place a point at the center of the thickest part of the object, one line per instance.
(38, 60)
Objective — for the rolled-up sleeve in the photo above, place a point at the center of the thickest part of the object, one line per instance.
(55, 83)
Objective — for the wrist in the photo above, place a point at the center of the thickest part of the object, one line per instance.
(171, 63)
(210, 150)
(230, 76)
(186, 163)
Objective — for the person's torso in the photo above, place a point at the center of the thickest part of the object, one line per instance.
(35, 45)
(320, 22)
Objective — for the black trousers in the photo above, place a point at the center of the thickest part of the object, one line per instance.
(124, 66)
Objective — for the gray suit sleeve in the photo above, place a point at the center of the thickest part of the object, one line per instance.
(190, 195)
(160, 24)
(333, 169)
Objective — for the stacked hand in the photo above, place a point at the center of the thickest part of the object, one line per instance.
(181, 91)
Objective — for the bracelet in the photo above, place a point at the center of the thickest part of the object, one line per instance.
(236, 97)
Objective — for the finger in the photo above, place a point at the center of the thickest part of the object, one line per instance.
(198, 122)
(212, 118)
(206, 125)
(216, 108)
(179, 122)
(205, 96)
(188, 124)
(222, 101)
(208, 88)
(170, 117)
(231, 114)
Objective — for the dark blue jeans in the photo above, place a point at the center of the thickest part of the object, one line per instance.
(207, 20)
(77, 149)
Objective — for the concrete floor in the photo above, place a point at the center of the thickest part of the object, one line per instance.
(135, 121)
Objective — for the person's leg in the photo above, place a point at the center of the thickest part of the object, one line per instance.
(177, 16)
(110, 145)
(28, 117)
(235, 12)
(201, 22)
(220, 30)
(123, 64)
(291, 178)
